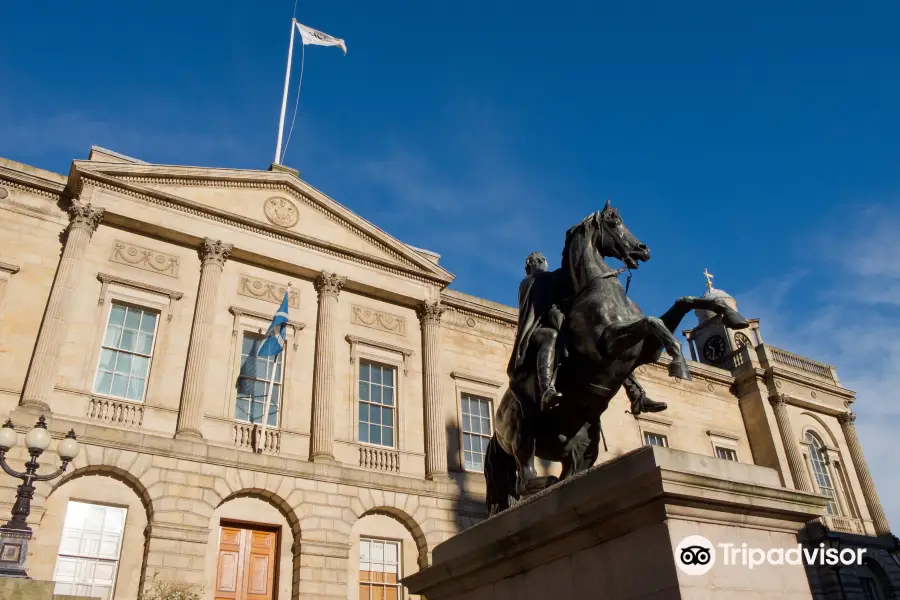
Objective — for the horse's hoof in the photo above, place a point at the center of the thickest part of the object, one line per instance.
(733, 320)
(679, 370)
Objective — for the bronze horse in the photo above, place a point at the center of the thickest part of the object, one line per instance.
(604, 338)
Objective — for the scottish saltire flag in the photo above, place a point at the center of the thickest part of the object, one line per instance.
(273, 343)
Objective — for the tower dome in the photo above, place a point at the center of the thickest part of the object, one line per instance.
(713, 293)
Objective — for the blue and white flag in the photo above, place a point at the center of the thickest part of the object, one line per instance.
(273, 343)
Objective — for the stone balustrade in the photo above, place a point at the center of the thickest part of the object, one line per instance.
(250, 436)
(379, 459)
(116, 412)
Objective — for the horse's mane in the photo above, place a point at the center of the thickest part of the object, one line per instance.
(589, 221)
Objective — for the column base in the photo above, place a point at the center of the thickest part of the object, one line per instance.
(322, 458)
(189, 434)
(13, 550)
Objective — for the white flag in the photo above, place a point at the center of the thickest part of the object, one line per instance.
(317, 38)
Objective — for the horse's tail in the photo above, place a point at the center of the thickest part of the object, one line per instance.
(500, 476)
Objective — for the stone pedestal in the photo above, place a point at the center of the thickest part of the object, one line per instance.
(614, 532)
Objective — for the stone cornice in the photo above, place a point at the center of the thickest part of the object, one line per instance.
(237, 311)
(468, 377)
(28, 182)
(127, 179)
(812, 405)
(777, 373)
(499, 314)
(9, 269)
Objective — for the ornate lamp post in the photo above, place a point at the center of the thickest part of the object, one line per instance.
(15, 534)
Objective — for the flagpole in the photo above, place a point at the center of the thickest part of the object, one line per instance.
(284, 98)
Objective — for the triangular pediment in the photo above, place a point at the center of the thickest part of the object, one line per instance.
(279, 201)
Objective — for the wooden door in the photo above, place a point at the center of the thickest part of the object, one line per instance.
(245, 568)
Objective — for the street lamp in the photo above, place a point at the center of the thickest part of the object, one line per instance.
(15, 534)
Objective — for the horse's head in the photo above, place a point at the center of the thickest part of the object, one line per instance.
(613, 240)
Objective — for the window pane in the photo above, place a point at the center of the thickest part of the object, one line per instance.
(116, 314)
(467, 423)
(127, 341)
(119, 385)
(387, 435)
(363, 390)
(139, 366)
(364, 432)
(144, 343)
(387, 416)
(123, 364)
(387, 396)
(364, 372)
(389, 376)
(107, 359)
(132, 318)
(374, 434)
(363, 412)
(376, 374)
(148, 323)
(112, 336)
(375, 415)
(135, 389)
(241, 409)
(376, 394)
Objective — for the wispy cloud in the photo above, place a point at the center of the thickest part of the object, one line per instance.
(853, 324)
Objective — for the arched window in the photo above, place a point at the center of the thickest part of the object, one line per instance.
(819, 461)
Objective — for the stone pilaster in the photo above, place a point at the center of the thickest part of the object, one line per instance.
(83, 222)
(328, 285)
(865, 477)
(794, 458)
(435, 427)
(213, 254)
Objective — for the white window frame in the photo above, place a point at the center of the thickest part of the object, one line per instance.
(280, 383)
(116, 562)
(655, 425)
(395, 408)
(384, 354)
(133, 305)
(730, 453)
(825, 460)
(482, 388)
(399, 545)
(463, 431)
(661, 436)
(726, 441)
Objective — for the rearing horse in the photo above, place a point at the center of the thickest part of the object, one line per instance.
(606, 337)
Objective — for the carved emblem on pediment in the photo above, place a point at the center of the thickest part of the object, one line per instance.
(146, 259)
(268, 291)
(377, 319)
(281, 211)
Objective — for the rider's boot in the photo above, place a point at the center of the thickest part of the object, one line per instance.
(546, 359)
(640, 403)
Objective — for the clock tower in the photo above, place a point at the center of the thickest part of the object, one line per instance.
(710, 341)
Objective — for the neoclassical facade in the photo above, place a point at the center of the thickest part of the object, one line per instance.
(131, 298)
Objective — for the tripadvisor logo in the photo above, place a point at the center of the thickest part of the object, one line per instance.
(696, 555)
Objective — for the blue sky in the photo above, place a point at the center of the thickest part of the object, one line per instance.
(761, 142)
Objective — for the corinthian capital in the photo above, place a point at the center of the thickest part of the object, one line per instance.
(777, 399)
(430, 312)
(329, 284)
(84, 216)
(847, 418)
(215, 252)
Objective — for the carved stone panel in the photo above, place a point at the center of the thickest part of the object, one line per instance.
(281, 211)
(376, 319)
(262, 289)
(146, 259)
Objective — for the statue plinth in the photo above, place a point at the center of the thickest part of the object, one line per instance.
(613, 532)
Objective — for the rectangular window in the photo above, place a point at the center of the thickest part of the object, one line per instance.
(376, 404)
(655, 439)
(726, 453)
(379, 570)
(477, 431)
(89, 552)
(253, 383)
(126, 352)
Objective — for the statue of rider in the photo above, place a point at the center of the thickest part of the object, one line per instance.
(540, 320)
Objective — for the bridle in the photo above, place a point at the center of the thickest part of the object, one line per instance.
(601, 222)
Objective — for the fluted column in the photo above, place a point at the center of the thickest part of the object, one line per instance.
(213, 254)
(794, 458)
(435, 428)
(83, 221)
(865, 477)
(328, 286)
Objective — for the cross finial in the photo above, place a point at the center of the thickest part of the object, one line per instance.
(709, 277)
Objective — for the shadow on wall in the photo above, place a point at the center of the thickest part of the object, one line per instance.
(469, 504)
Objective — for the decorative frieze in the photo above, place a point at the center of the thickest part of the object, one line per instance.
(145, 258)
(377, 319)
(268, 291)
(464, 321)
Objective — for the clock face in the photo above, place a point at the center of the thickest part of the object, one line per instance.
(741, 340)
(714, 348)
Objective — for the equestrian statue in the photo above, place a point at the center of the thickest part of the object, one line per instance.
(579, 340)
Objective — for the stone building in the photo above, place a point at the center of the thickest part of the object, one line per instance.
(130, 297)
